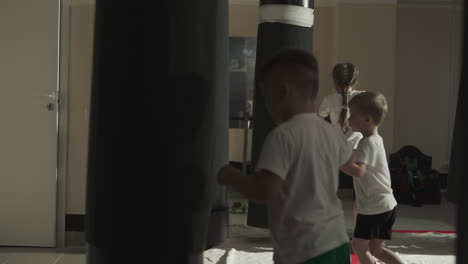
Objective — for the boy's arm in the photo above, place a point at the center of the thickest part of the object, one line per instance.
(261, 186)
(354, 169)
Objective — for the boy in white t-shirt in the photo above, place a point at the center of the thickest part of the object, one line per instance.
(297, 171)
(371, 179)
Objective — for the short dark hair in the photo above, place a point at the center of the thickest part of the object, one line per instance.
(371, 103)
(297, 66)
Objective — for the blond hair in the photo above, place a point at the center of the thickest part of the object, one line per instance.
(371, 103)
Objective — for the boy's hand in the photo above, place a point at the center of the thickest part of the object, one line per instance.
(225, 173)
(261, 186)
(352, 168)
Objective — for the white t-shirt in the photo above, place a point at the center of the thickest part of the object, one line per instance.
(374, 194)
(331, 106)
(306, 218)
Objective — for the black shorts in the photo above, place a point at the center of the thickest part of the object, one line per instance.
(375, 226)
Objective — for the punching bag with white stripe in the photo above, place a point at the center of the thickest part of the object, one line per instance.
(283, 24)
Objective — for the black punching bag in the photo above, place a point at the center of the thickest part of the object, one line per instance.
(158, 132)
(283, 24)
(199, 67)
(457, 180)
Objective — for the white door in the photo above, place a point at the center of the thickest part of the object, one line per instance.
(28, 121)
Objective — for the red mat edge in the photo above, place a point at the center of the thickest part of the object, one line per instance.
(424, 231)
(354, 259)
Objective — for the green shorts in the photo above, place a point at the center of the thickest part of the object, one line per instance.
(339, 255)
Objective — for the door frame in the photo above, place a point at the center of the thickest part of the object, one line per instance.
(62, 130)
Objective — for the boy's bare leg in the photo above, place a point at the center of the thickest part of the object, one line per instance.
(355, 213)
(361, 249)
(376, 247)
